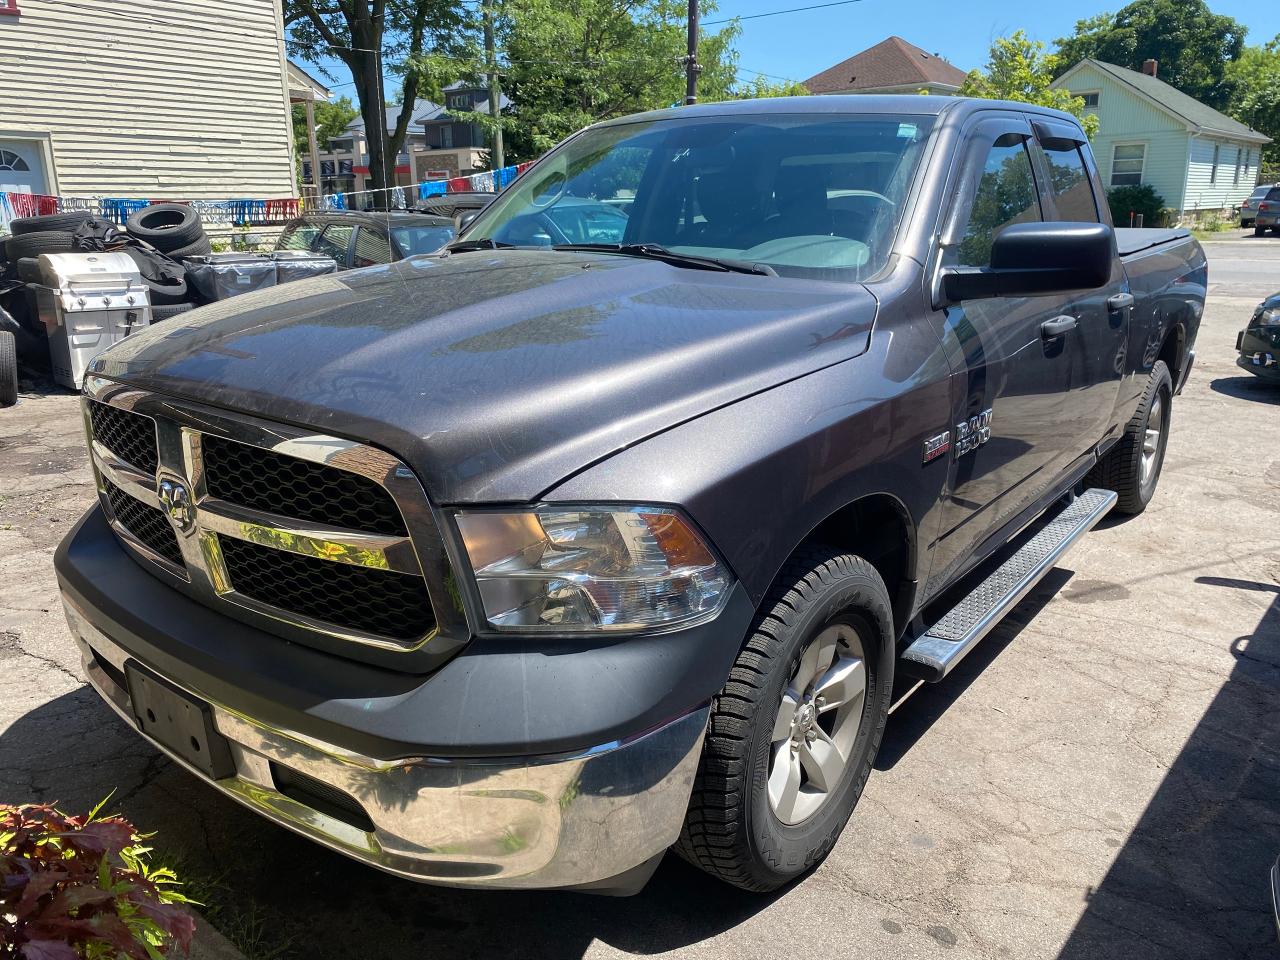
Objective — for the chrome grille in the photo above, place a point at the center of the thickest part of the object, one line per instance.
(310, 536)
(147, 524)
(257, 478)
(130, 436)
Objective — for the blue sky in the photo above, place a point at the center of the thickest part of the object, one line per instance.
(798, 45)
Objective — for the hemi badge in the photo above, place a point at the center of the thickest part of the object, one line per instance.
(934, 447)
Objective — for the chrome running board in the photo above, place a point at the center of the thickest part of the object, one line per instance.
(936, 652)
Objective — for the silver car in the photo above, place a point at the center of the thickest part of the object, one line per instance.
(1249, 209)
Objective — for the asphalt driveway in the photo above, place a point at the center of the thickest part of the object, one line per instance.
(1100, 779)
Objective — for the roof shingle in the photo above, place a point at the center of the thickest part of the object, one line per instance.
(1190, 109)
(891, 62)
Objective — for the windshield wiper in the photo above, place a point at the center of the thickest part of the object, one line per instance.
(655, 251)
(484, 243)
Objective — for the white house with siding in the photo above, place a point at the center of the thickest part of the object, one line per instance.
(1148, 132)
(145, 99)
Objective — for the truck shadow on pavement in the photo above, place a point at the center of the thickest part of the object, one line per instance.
(1246, 388)
(1191, 881)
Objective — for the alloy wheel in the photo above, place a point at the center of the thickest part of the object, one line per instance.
(817, 724)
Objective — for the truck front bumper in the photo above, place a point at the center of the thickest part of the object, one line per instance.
(515, 765)
(594, 819)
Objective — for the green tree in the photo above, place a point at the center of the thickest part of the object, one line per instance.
(1193, 44)
(408, 39)
(331, 120)
(570, 63)
(1255, 92)
(762, 86)
(1019, 69)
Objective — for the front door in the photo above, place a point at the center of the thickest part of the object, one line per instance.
(22, 167)
(1006, 431)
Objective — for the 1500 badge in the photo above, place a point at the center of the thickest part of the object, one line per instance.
(973, 433)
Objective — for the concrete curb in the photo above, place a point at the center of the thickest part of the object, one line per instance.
(209, 944)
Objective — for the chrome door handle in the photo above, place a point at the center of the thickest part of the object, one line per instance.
(1120, 301)
(1052, 329)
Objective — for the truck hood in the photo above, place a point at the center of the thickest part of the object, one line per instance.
(496, 374)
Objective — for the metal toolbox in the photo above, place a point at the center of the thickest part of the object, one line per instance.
(87, 302)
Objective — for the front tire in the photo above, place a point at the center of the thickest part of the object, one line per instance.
(795, 730)
(1132, 467)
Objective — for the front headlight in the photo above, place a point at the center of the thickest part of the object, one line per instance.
(592, 568)
(1269, 318)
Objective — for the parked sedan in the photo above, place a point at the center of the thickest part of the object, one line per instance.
(365, 239)
(1249, 209)
(1259, 342)
(1266, 210)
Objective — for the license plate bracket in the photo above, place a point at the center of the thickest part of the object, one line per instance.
(179, 721)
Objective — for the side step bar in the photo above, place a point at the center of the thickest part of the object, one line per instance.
(936, 652)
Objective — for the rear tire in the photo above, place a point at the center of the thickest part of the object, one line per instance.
(1132, 467)
(8, 369)
(772, 794)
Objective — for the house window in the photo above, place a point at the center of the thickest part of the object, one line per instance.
(459, 101)
(446, 135)
(1127, 161)
(1213, 170)
(1235, 181)
(1090, 102)
(10, 160)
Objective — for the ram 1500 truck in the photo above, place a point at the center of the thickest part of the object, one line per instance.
(606, 530)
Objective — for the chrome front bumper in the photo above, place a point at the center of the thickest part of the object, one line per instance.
(527, 822)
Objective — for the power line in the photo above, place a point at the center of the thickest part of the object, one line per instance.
(778, 13)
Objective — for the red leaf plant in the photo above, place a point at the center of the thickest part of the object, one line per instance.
(82, 888)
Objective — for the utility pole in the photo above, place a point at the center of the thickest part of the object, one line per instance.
(498, 160)
(691, 68)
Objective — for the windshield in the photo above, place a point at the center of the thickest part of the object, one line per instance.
(425, 239)
(813, 196)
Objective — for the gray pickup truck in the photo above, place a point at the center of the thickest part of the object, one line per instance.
(607, 530)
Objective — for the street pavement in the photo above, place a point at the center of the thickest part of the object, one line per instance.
(1099, 779)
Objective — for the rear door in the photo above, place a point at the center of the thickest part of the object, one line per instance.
(335, 241)
(1006, 433)
(1094, 350)
(372, 247)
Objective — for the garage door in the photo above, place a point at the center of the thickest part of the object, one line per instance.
(21, 167)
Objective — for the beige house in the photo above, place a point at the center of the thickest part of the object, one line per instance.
(145, 99)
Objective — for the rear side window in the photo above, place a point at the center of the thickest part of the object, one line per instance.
(334, 242)
(371, 248)
(298, 237)
(1072, 191)
(1006, 195)
(1274, 194)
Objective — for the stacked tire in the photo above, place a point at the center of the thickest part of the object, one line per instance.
(33, 236)
(172, 228)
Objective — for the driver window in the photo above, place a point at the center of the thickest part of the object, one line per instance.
(1006, 195)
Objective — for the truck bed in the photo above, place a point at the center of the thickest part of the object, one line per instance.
(1131, 240)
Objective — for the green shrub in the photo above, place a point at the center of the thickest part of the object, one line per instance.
(1140, 200)
(81, 888)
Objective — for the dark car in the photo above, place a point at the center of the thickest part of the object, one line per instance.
(604, 532)
(1259, 343)
(1249, 209)
(365, 239)
(459, 207)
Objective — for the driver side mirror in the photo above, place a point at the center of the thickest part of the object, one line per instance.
(463, 220)
(1028, 259)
